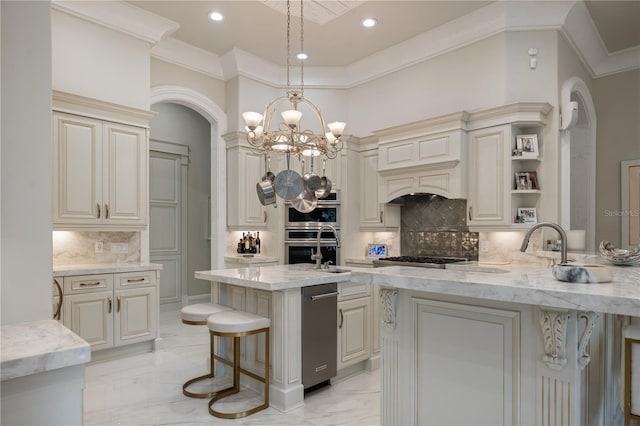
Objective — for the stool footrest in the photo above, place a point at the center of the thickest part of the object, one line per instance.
(227, 392)
(188, 383)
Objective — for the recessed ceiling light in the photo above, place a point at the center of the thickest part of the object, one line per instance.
(216, 16)
(302, 56)
(369, 22)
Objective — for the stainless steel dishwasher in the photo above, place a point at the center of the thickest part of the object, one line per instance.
(319, 335)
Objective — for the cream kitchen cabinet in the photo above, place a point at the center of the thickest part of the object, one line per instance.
(111, 310)
(354, 323)
(373, 214)
(100, 173)
(493, 199)
(489, 183)
(245, 169)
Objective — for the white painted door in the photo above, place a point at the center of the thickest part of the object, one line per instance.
(353, 331)
(77, 170)
(125, 190)
(135, 317)
(489, 177)
(90, 316)
(167, 232)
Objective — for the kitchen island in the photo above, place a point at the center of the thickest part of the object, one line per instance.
(472, 345)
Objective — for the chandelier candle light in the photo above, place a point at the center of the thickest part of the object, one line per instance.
(288, 137)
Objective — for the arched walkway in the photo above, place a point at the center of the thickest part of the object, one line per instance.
(218, 119)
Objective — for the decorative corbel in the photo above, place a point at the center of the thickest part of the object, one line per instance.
(554, 334)
(591, 321)
(389, 301)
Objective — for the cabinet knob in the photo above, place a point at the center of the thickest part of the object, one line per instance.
(381, 216)
(106, 211)
(341, 318)
(56, 315)
(118, 309)
(470, 212)
(265, 216)
(99, 211)
(90, 284)
(110, 305)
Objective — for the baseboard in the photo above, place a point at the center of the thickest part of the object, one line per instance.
(122, 351)
(199, 298)
(350, 371)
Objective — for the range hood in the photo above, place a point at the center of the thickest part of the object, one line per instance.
(426, 156)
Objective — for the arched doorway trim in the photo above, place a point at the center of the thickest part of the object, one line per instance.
(576, 87)
(218, 119)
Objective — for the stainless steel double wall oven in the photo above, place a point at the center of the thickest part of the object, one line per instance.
(301, 231)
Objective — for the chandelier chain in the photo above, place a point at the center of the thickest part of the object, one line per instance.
(302, 47)
(288, 44)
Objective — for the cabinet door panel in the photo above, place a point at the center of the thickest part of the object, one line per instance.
(489, 180)
(135, 318)
(126, 181)
(353, 335)
(91, 317)
(369, 206)
(77, 183)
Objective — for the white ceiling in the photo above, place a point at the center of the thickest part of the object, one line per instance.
(333, 35)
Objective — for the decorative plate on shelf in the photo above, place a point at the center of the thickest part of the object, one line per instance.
(619, 256)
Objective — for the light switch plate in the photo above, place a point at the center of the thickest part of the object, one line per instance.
(99, 246)
(119, 248)
(484, 246)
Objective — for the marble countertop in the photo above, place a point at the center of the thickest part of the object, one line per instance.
(276, 277)
(360, 260)
(254, 259)
(103, 268)
(518, 283)
(39, 346)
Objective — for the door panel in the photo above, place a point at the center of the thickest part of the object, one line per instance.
(166, 233)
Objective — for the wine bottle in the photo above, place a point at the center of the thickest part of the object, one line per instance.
(258, 243)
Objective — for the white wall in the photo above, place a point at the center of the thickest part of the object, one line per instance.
(26, 162)
(96, 62)
(469, 78)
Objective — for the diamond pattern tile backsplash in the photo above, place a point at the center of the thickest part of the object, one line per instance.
(436, 226)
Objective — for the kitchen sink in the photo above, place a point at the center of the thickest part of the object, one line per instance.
(332, 271)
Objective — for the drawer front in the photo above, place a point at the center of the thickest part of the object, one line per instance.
(87, 283)
(352, 290)
(135, 279)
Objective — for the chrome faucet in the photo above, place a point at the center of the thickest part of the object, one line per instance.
(563, 238)
(317, 256)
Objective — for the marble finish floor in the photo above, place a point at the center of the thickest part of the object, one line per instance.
(146, 389)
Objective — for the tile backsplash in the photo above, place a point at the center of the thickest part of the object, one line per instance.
(436, 226)
(78, 248)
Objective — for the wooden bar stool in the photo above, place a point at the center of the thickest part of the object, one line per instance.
(238, 324)
(198, 314)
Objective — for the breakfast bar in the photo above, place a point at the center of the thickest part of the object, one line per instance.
(473, 343)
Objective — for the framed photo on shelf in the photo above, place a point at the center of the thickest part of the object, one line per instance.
(523, 181)
(526, 181)
(527, 145)
(527, 215)
(533, 180)
(377, 250)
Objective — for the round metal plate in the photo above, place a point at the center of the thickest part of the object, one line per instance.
(288, 184)
(305, 202)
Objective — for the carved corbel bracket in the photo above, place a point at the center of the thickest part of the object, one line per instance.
(389, 301)
(554, 334)
(591, 319)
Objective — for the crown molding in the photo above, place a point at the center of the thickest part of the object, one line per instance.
(571, 19)
(120, 16)
(188, 56)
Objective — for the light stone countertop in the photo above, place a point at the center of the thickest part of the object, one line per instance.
(518, 283)
(255, 259)
(103, 268)
(40, 346)
(276, 277)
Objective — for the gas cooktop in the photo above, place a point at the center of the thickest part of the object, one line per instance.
(419, 261)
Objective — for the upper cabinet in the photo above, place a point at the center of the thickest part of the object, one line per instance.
(245, 169)
(505, 158)
(100, 167)
(374, 215)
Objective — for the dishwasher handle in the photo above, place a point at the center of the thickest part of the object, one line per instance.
(323, 296)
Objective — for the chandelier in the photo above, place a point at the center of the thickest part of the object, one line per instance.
(267, 135)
